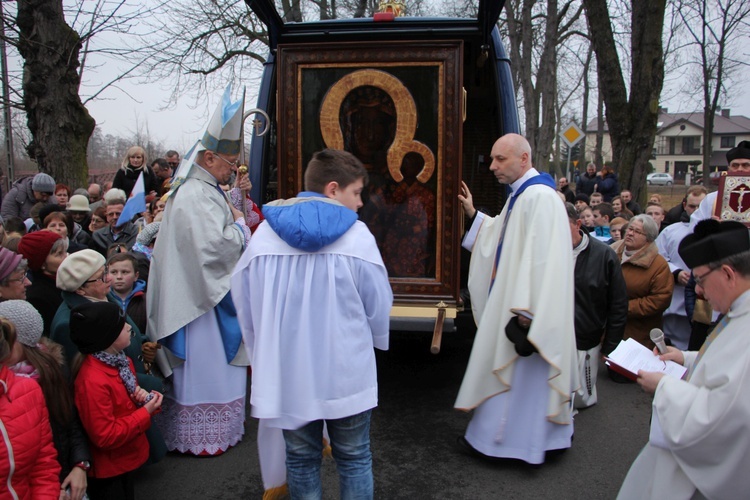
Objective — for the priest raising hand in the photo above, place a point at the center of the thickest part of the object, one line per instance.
(520, 262)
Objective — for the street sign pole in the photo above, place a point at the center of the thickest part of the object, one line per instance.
(570, 134)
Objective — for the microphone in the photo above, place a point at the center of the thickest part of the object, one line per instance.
(657, 337)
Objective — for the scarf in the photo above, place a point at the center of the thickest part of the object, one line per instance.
(121, 362)
(24, 369)
(148, 252)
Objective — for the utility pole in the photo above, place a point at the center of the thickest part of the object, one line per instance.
(10, 173)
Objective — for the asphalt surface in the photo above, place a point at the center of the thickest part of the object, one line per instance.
(413, 434)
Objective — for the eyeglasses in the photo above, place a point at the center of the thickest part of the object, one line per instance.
(231, 163)
(700, 279)
(18, 280)
(102, 278)
(114, 214)
(173, 164)
(635, 231)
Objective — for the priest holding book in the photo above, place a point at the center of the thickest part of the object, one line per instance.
(699, 446)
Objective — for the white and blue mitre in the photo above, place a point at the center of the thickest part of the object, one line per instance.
(223, 135)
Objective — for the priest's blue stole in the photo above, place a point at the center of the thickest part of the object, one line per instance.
(229, 327)
(544, 179)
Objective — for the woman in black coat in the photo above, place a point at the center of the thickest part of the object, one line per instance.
(132, 166)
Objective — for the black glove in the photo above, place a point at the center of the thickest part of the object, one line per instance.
(518, 335)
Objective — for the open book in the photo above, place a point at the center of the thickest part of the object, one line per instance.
(631, 356)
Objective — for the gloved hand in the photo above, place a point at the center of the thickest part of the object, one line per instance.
(518, 335)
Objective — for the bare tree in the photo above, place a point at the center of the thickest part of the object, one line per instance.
(631, 113)
(56, 117)
(198, 44)
(57, 42)
(535, 30)
(717, 29)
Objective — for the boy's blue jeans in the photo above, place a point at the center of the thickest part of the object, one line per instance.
(350, 444)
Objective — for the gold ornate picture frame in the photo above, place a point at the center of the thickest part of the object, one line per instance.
(733, 198)
(397, 107)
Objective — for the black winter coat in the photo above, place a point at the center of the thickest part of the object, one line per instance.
(125, 180)
(586, 184)
(44, 295)
(71, 443)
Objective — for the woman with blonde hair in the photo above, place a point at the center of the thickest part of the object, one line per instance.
(132, 165)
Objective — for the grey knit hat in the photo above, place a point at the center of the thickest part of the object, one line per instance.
(43, 183)
(148, 233)
(27, 320)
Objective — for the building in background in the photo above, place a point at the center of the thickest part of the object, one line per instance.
(679, 141)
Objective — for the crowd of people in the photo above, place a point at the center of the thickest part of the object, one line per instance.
(125, 339)
(543, 325)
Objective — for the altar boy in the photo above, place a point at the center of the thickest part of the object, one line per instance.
(313, 299)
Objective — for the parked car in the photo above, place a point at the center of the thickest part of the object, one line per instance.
(659, 179)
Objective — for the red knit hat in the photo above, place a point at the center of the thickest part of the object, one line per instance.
(35, 247)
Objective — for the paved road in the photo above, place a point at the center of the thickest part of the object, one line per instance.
(413, 440)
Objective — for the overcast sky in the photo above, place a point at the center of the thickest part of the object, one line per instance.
(132, 105)
(180, 126)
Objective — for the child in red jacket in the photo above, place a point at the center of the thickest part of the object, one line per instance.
(115, 412)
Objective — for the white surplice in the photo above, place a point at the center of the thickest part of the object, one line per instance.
(676, 325)
(198, 244)
(310, 322)
(705, 423)
(525, 402)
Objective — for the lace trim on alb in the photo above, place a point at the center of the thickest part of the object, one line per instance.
(204, 428)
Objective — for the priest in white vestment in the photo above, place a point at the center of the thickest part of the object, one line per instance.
(190, 309)
(699, 445)
(677, 327)
(521, 390)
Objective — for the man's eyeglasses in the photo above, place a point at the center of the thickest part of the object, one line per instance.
(174, 164)
(700, 279)
(232, 163)
(102, 278)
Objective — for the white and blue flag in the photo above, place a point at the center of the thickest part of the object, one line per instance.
(136, 204)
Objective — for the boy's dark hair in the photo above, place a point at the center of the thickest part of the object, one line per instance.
(331, 165)
(123, 257)
(605, 209)
(161, 162)
(14, 225)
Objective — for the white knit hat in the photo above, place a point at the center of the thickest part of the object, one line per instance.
(77, 268)
(27, 320)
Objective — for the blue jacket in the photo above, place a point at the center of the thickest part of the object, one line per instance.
(310, 221)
